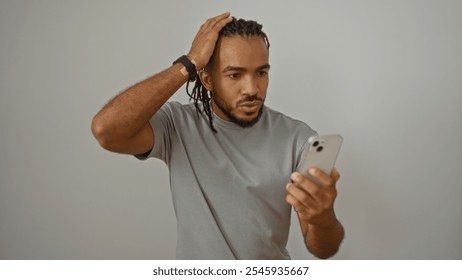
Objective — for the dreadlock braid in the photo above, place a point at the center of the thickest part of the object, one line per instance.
(199, 94)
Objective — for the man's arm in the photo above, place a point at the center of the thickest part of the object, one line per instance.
(122, 125)
(314, 203)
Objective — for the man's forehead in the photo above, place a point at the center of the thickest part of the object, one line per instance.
(240, 51)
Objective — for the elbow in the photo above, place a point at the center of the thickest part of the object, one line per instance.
(102, 134)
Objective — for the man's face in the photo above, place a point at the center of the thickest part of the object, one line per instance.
(238, 79)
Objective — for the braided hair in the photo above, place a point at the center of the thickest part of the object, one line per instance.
(199, 94)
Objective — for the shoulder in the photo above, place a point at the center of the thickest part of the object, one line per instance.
(174, 110)
(175, 106)
(179, 116)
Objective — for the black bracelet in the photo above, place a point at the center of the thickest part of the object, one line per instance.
(190, 67)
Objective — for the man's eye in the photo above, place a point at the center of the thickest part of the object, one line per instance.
(262, 73)
(234, 75)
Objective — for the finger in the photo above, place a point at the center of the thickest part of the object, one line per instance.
(211, 22)
(334, 174)
(295, 203)
(220, 24)
(299, 206)
(322, 177)
(304, 183)
(221, 16)
(212, 26)
(204, 43)
(301, 195)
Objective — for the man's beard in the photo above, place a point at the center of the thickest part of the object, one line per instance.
(227, 110)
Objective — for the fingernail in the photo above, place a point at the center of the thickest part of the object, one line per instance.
(312, 171)
(287, 186)
(295, 176)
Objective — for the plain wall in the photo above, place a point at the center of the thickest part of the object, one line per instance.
(384, 74)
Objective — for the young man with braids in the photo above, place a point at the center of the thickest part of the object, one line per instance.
(230, 157)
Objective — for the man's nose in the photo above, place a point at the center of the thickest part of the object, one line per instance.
(250, 86)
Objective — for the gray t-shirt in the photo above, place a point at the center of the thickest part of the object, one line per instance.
(228, 188)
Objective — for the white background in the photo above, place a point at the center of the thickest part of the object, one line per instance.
(384, 74)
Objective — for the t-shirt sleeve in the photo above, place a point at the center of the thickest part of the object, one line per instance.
(163, 126)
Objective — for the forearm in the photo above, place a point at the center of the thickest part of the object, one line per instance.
(129, 111)
(323, 241)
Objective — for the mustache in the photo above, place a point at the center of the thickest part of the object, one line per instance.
(250, 99)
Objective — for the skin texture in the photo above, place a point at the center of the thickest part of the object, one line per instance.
(238, 78)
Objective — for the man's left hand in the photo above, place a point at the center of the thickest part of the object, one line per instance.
(314, 199)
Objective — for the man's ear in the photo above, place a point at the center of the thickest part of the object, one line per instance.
(206, 79)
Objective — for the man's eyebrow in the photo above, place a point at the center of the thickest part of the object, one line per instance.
(234, 68)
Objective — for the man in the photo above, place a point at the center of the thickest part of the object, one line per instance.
(230, 156)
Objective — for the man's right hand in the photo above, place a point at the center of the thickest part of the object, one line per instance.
(206, 39)
(122, 125)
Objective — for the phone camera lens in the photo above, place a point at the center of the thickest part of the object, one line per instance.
(319, 149)
(315, 143)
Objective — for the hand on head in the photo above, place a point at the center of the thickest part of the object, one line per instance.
(206, 38)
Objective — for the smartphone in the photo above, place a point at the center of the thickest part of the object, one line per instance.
(321, 152)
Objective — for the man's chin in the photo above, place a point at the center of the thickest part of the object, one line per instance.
(245, 123)
(247, 120)
(242, 117)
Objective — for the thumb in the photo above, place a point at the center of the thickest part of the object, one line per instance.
(334, 174)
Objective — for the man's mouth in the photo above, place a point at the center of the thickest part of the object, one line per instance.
(250, 104)
(250, 107)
